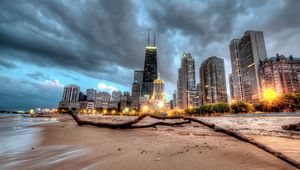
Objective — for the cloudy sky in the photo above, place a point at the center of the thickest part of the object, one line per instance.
(45, 45)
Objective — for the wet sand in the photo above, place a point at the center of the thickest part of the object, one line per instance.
(67, 146)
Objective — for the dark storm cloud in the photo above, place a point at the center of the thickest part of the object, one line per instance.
(70, 76)
(105, 39)
(91, 36)
(12, 90)
(206, 21)
(37, 75)
(7, 64)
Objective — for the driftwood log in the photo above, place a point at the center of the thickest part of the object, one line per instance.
(129, 124)
(293, 127)
(186, 119)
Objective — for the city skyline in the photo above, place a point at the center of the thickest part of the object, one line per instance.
(43, 53)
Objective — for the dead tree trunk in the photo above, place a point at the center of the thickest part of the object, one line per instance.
(129, 124)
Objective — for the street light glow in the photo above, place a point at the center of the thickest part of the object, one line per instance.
(270, 95)
(160, 104)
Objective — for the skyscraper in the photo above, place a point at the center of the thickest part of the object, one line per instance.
(71, 93)
(125, 101)
(135, 95)
(115, 99)
(174, 99)
(138, 76)
(281, 74)
(70, 97)
(82, 96)
(186, 79)
(231, 85)
(213, 82)
(102, 100)
(251, 50)
(150, 68)
(91, 94)
(236, 71)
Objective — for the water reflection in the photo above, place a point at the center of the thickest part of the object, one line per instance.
(18, 144)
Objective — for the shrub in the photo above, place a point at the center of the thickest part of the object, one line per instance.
(288, 102)
(240, 107)
(221, 108)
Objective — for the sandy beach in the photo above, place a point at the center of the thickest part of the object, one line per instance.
(65, 145)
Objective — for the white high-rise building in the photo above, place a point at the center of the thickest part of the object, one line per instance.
(71, 93)
(251, 51)
(236, 71)
(70, 97)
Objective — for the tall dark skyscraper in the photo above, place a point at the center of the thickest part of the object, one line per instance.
(213, 83)
(186, 79)
(150, 67)
(138, 76)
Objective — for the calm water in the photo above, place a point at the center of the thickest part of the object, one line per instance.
(16, 135)
(19, 144)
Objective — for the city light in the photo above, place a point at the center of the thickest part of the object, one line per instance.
(160, 104)
(31, 111)
(233, 101)
(126, 110)
(145, 108)
(269, 95)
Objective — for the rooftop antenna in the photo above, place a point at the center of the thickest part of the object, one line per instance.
(148, 37)
(154, 40)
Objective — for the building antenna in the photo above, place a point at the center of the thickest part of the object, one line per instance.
(154, 40)
(148, 37)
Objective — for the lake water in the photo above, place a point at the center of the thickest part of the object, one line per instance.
(16, 135)
(19, 144)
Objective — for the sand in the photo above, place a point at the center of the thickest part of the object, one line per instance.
(67, 146)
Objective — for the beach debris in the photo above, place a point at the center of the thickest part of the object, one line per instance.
(293, 127)
(18, 127)
(119, 149)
